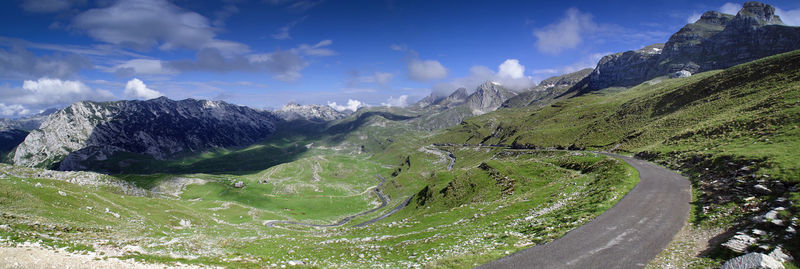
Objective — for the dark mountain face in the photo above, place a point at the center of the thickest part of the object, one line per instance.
(159, 128)
(715, 41)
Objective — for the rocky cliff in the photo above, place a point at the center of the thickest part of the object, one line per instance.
(715, 41)
(158, 127)
(313, 113)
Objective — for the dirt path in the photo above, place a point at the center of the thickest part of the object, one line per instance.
(37, 257)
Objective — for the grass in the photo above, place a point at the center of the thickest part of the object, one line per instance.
(738, 124)
(466, 226)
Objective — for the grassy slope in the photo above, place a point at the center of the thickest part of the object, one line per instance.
(739, 125)
(462, 227)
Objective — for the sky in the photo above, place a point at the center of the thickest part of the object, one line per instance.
(346, 54)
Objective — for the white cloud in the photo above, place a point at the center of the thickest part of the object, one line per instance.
(136, 89)
(144, 24)
(730, 8)
(13, 110)
(401, 101)
(47, 92)
(352, 105)
(142, 67)
(425, 70)
(399, 47)
(318, 49)
(510, 74)
(511, 69)
(566, 34)
(380, 78)
(789, 17)
(283, 32)
(588, 61)
(284, 65)
(19, 63)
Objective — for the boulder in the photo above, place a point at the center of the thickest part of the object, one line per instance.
(681, 74)
(761, 189)
(779, 256)
(739, 243)
(238, 184)
(752, 260)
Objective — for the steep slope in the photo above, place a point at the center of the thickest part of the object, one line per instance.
(715, 41)
(314, 113)
(547, 90)
(160, 128)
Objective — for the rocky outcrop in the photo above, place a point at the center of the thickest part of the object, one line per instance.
(715, 41)
(458, 97)
(752, 261)
(488, 97)
(442, 112)
(313, 113)
(547, 90)
(158, 127)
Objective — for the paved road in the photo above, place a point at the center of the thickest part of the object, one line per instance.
(628, 235)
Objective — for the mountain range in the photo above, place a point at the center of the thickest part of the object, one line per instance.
(163, 128)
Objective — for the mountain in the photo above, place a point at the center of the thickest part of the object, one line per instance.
(314, 113)
(456, 98)
(26, 123)
(159, 128)
(715, 41)
(443, 112)
(547, 90)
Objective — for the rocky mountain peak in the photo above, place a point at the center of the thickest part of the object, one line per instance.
(715, 41)
(760, 13)
(159, 127)
(488, 97)
(316, 113)
(715, 18)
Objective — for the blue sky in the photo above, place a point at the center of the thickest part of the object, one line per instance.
(265, 53)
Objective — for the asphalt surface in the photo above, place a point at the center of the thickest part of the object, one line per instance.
(628, 235)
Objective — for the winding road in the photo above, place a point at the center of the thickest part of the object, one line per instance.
(345, 220)
(628, 235)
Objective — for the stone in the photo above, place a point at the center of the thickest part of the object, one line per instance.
(758, 232)
(761, 189)
(683, 74)
(739, 243)
(752, 261)
(779, 256)
(38, 185)
(62, 193)
(238, 184)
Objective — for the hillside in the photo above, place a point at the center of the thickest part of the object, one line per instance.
(733, 130)
(715, 41)
(99, 131)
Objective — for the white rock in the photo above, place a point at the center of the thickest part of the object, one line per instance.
(739, 243)
(779, 256)
(681, 74)
(38, 185)
(762, 189)
(185, 223)
(5, 227)
(752, 260)
(62, 193)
